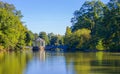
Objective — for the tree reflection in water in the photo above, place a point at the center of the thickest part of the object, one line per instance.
(93, 63)
(13, 63)
(59, 63)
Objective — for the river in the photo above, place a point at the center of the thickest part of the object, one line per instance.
(59, 63)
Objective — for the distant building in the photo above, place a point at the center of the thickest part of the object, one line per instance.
(39, 42)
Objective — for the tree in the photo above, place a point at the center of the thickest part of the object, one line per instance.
(50, 35)
(68, 31)
(67, 35)
(100, 45)
(12, 32)
(102, 21)
(88, 15)
(112, 27)
(55, 39)
(11, 28)
(11, 8)
(79, 37)
(29, 38)
(44, 36)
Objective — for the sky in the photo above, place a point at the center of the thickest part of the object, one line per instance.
(47, 15)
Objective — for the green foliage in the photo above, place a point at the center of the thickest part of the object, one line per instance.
(55, 39)
(11, 29)
(67, 36)
(102, 20)
(68, 31)
(110, 30)
(13, 35)
(78, 38)
(88, 15)
(44, 36)
(100, 46)
(29, 38)
(11, 8)
(35, 36)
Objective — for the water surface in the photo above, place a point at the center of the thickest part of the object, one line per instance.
(59, 63)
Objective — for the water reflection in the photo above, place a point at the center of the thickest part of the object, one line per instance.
(42, 55)
(94, 63)
(99, 57)
(13, 63)
(59, 63)
(81, 65)
(47, 63)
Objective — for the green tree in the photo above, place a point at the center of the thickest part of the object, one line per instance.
(29, 38)
(100, 45)
(35, 36)
(11, 8)
(11, 28)
(112, 28)
(56, 39)
(102, 21)
(88, 15)
(44, 36)
(12, 31)
(68, 31)
(50, 35)
(79, 38)
(67, 35)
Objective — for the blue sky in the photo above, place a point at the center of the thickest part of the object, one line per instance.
(47, 15)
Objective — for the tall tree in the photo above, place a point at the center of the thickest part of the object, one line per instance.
(12, 32)
(11, 28)
(11, 8)
(29, 38)
(112, 27)
(102, 21)
(88, 15)
(44, 36)
(67, 35)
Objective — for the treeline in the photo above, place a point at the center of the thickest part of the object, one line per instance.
(13, 34)
(95, 26)
(52, 39)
